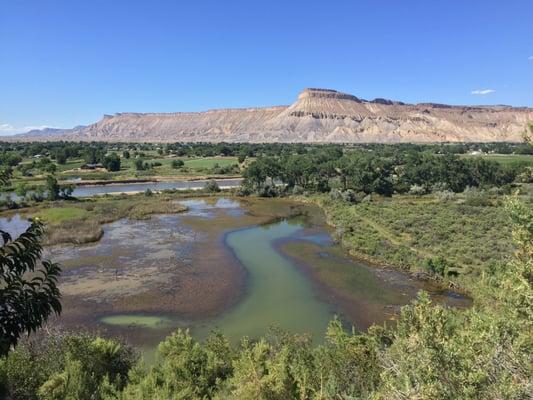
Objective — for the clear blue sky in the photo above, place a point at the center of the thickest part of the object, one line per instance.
(64, 63)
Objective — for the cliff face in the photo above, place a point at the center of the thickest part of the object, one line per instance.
(319, 115)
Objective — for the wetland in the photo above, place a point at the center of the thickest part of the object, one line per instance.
(235, 265)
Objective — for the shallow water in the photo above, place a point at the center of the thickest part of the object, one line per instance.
(217, 267)
(276, 295)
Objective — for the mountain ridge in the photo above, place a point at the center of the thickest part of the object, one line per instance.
(317, 116)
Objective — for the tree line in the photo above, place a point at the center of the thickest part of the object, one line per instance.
(382, 172)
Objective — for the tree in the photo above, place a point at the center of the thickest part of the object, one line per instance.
(66, 191)
(61, 156)
(5, 175)
(112, 162)
(177, 164)
(25, 302)
(126, 154)
(139, 164)
(93, 155)
(52, 187)
(21, 190)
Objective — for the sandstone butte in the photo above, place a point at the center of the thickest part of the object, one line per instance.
(318, 116)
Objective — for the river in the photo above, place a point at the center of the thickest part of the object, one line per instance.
(116, 188)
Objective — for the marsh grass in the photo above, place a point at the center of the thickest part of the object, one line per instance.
(81, 221)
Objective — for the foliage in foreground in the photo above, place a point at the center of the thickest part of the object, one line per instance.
(28, 286)
(431, 353)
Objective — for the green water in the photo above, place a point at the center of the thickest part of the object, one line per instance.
(277, 293)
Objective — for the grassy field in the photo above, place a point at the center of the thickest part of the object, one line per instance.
(58, 215)
(193, 167)
(505, 159)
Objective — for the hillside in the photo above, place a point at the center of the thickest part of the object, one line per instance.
(318, 115)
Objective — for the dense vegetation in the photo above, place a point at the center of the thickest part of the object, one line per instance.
(411, 232)
(411, 206)
(383, 172)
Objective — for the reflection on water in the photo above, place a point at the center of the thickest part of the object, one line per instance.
(204, 209)
(14, 225)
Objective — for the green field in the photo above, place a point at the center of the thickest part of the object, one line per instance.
(58, 215)
(204, 166)
(505, 159)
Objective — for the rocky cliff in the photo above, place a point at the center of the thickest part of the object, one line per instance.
(319, 115)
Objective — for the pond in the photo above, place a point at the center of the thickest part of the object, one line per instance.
(235, 266)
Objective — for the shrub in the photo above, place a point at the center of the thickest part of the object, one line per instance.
(439, 187)
(139, 164)
(268, 191)
(297, 190)
(476, 197)
(244, 191)
(112, 162)
(445, 195)
(437, 266)
(177, 164)
(417, 190)
(211, 186)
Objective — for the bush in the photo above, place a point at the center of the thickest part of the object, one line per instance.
(445, 195)
(348, 196)
(65, 191)
(268, 191)
(139, 164)
(476, 197)
(244, 191)
(439, 187)
(66, 366)
(437, 266)
(211, 186)
(297, 190)
(52, 188)
(112, 162)
(177, 164)
(417, 190)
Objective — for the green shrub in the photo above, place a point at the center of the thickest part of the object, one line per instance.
(211, 186)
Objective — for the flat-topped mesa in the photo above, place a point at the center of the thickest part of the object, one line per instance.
(327, 94)
(318, 115)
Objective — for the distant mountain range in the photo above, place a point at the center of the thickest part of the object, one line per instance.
(318, 116)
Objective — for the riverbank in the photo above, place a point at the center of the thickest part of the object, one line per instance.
(405, 232)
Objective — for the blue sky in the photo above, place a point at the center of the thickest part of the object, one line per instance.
(64, 63)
